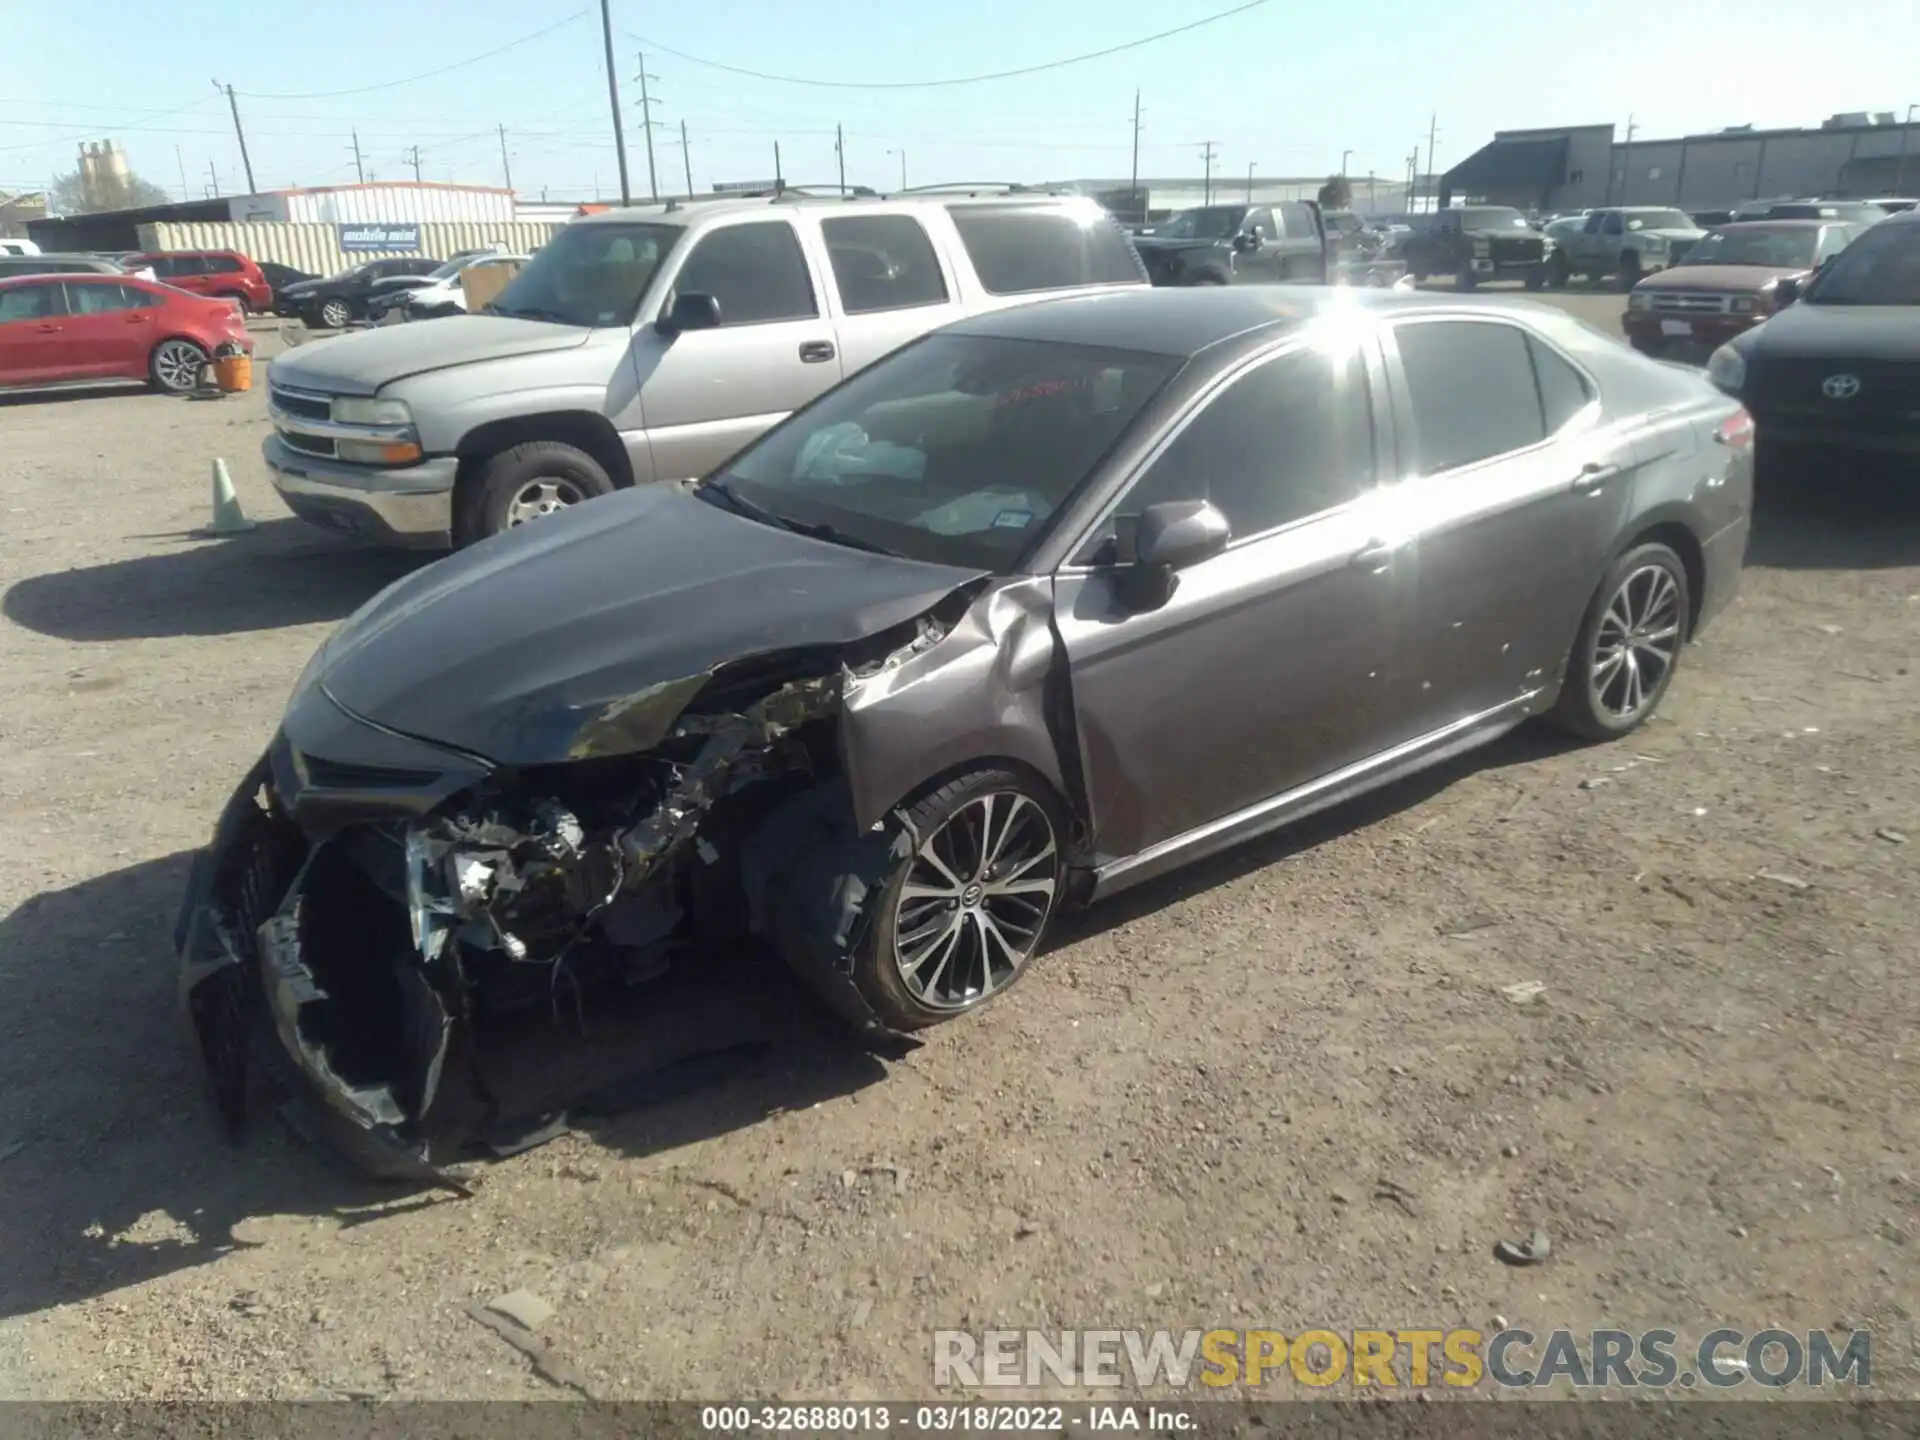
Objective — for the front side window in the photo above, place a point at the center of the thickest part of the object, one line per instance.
(882, 262)
(1833, 239)
(958, 449)
(1017, 250)
(1289, 439)
(1471, 388)
(1208, 222)
(589, 274)
(1296, 219)
(29, 302)
(756, 271)
(1881, 267)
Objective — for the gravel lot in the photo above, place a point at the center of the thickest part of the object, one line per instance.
(1180, 1119)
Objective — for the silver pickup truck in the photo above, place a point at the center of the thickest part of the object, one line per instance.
(651, 343)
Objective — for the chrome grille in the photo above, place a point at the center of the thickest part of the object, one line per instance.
(1685, 302)
(303, 403)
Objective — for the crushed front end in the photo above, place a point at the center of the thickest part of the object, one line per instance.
(374, 910)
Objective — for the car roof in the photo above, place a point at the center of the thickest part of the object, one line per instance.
(1185, 320)
(690, 213)
(1788, 222)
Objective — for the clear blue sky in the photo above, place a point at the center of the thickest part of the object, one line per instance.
(1286, 87)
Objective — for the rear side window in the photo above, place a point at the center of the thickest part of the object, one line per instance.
(882, 262)
(756, 271)
(1017, 250)
(101, 299)
(1296, 220)
(222, 265)
(1563, 389)
(1471, 387)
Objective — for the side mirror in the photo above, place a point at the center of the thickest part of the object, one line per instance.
(689, 312)
(1167, 538)
(1785, 293)
(1247, 240)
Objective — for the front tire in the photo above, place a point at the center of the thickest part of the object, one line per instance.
(335, 314)
(1558, 272)
(174, 367)
(524, 484)
(1466, 281)
(959, 920)
(1628, 646)
(1630, 272)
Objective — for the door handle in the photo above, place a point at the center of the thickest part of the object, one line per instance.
(1375, 555)
(1592, 477)
(814, 351)
(47, 329)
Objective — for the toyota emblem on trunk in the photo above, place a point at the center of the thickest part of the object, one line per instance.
(1840, 387)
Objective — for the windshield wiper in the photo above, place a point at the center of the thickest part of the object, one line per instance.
(725, 488)
(529, 312)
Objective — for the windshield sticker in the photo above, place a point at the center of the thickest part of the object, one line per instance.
(1013, 520)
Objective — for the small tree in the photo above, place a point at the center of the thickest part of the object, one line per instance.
(1336, 194)
(72, 196)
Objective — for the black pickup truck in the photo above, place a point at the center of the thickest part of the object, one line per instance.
(1473, 243)
(1283, 243)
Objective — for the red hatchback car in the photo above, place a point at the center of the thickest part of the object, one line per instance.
(86, 329)
(209, 272)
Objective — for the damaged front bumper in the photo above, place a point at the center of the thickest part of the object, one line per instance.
(353, 930)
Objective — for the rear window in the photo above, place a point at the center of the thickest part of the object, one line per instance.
(1017, 249)
(882, 262)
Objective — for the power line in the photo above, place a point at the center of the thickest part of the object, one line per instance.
(90, 134)
(423, 75)
(957, 80)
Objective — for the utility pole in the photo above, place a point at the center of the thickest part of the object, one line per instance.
(506, 166)
(840, 155)
(1626, 160)
(779, 175)
(213, 175)
(359, 169)
(1133, 183)
(414, 160)
(239, 133)
(1433, 133)
(903, 166)
(1345, 155)
(1369, 192)
(181, 161)
(686, 158)
(1249, 182)
(613, 101)
(1206, 153)
(646, 125)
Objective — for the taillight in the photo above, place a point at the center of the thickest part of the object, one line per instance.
(1736, 431)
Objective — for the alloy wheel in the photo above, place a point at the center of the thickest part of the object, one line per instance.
(335, 314)
(541, 497)
(976, 896)
(1636, 642)
(176, 364)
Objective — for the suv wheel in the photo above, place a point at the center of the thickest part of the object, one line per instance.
(958, 920)
(523, 484)
(336, 314)
(1629, 643)
(1558, 272)
(1630, 272)
(1466, 279)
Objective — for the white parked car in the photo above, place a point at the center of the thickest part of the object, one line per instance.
(443, 293)
(18, 247)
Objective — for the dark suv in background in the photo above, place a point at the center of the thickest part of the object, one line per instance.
(1237, 244)
(1473, 243)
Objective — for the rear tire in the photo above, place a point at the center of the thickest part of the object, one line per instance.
(524, 483)
(1630, 272)
(901, 969)
(1628, 646)
(246, 306)
(1466, 281)
(174, 366)
(1558, 272)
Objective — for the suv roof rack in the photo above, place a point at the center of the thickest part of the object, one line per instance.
(988, 187)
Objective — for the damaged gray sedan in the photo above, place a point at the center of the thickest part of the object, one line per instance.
(1038, 607)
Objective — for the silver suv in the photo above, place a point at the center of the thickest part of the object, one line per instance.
(651, 343)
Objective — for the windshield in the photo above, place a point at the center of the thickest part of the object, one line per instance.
(957, 449)
(1784, 247)
(452, 268)
(1881, 267)
(1493, 219)
(589, 274)
(1214, 222)
(1659, 220)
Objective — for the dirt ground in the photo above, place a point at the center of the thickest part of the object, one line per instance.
(1180, 1119)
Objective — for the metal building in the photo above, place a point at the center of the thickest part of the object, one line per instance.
(1581, 166)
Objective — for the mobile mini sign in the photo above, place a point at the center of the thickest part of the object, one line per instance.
(386, 239)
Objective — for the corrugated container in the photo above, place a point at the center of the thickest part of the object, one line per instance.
(394, 202)
(316, 248)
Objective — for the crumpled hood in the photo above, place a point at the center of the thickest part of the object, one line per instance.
(1719, 279)
(361, 362)
(1838, 332)
(511, 649)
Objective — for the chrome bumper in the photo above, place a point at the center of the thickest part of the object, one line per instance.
(410, 507)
